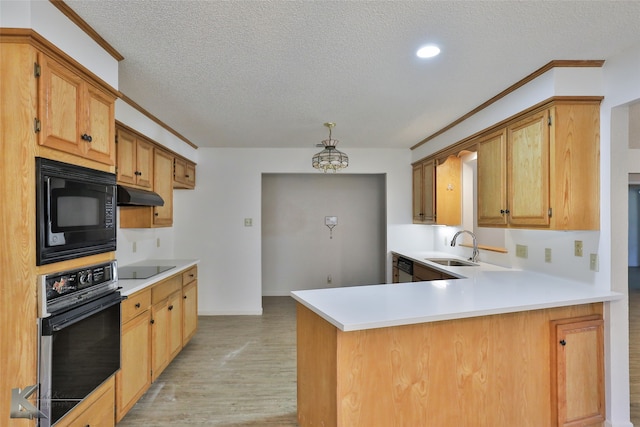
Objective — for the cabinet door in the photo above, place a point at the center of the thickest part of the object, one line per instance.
(449, 191)
(126, 150)
(163, 185)
(144, 164)
(175, 324)
(95, 410)
(578, 390)
(189, 311)
(418, 209)
(528, 170)
(191, 175)
(100, 126)
(424, 192)
(59, 107)
(134, 377)
(492, 179)
(159, 338)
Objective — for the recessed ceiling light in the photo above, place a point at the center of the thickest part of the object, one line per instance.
(428, 51)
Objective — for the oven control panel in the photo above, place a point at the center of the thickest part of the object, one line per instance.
(62, 290)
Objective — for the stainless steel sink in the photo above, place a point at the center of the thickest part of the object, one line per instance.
(452, 262)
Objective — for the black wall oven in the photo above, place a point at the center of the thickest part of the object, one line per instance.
(79, 344)
(76, 211)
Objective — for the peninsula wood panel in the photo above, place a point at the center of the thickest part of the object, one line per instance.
(482, 371)
(316, 363)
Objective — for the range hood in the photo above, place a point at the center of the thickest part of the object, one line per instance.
(128, 196)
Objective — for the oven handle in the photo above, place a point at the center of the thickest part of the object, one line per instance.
(59, 322)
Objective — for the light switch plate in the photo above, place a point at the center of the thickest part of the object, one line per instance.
(593, 262)
(547, 254)
(577, 248)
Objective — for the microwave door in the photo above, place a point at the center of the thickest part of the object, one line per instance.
(53, 239)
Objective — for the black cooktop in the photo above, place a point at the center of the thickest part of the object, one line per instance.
(142, 272)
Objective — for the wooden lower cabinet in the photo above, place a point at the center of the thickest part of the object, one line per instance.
(157, 322)
(95, 411)
(577, 383)
(189, 311)
(134, 377)
(481, 371)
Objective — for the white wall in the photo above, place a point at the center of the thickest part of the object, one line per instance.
(300, 252)
(621, 82)
(210, 219)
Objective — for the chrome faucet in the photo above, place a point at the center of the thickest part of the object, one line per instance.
(474, 255)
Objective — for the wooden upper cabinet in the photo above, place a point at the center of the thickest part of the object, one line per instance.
(528, 171)
(184, 173)
(424, 207)
(163, 185)
(492, 179)
(74, 115)
(135, 160)
(449, 191)
(513, 174)
(154, 216)
(542, 171)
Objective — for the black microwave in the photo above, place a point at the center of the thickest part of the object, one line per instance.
(75, 209)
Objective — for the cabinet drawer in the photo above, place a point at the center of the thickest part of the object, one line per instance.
(135, 304)
(163, 289)
(190, 275)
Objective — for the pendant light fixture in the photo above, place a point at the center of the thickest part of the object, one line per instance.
(330, 158)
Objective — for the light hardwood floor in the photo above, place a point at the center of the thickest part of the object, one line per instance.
(237, 371)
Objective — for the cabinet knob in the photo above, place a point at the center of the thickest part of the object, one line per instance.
(156, 214)
(86, 137)
(563, 342)
(153, 321)
(504, 211)
(171, 307)
(138, 305)
(137, 173)
(184, 297)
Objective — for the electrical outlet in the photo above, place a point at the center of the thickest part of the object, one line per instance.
(158, 242)
(547, 254)
(593, 262)
(522, 251)
(446, 241)
(577, 248)
(329, 279)
(248, 222)
(135, 247)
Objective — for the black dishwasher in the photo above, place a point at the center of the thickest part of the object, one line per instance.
(405, 270)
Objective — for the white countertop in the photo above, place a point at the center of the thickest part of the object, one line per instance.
(485, 290)
(130, 286)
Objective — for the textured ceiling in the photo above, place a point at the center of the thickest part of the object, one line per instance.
(270, 73)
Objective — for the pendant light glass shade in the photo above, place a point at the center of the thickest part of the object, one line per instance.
(330, 158)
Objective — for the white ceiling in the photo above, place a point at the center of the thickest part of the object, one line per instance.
(270, 73)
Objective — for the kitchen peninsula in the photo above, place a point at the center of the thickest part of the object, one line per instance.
(497, 348)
